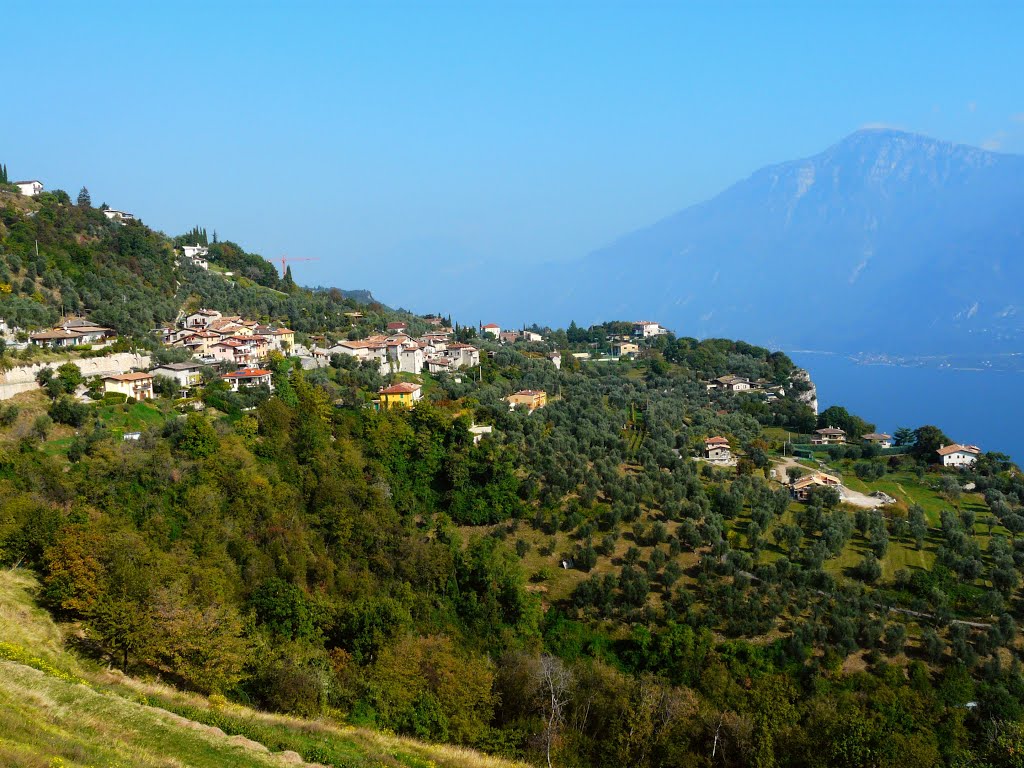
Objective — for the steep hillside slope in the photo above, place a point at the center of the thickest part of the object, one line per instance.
(57, 258)
(54, 713)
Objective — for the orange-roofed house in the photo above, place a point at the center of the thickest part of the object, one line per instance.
(531, 399)
(492, 328)
(957, 455)
(403, 395)
(249, 377)
(137, 385)
(803, 486)
(717, 449)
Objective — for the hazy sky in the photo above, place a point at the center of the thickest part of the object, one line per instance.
(386, 136)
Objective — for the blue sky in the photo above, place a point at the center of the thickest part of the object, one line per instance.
(383, 137)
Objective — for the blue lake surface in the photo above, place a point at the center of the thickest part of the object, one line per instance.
(983, 407)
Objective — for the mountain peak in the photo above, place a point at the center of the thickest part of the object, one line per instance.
(883, 239)
(873, 137)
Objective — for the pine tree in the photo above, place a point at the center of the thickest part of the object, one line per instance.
(84, 200)
(287, 283)
(3, 174)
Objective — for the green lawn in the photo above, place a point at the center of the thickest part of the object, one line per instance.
(907, 489)
(132, 418)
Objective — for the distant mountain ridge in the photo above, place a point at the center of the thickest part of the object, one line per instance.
(886, 241)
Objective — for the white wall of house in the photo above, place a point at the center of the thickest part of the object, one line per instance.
(29, 188)
(959, 459)
(410, 361)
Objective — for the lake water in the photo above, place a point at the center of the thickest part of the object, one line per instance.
(983, 407)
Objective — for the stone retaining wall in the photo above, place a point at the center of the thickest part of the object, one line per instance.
(22, 378)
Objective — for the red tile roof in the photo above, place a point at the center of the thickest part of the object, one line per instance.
(130, 377)
(403, 388)
(247, 373)
(948, 449)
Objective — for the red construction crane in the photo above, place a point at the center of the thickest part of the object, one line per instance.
(285, 259)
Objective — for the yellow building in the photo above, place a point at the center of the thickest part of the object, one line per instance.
(137, 385)
(279, 338)
(402, 395)
(623, 348)
(532, 399)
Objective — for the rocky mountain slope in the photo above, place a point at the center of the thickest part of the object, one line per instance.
(885, 242)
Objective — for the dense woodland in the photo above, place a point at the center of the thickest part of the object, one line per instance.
(308, 554)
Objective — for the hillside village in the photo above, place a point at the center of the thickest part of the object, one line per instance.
(236, 351)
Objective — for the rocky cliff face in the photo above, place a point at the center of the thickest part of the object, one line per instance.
(802, 378)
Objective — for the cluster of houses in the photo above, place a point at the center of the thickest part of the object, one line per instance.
(211, 338)
(398, 352)
(954, 455)
(139, 385)
(508, 337)
(215, 338)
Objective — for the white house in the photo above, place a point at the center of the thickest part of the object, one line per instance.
(828, 436)
(647, 328)
(717, 449)
(732, 382)
(957, 455)
(478, 431)
(491, 328)
(249, 377)
(29, 188)
(201, 318)
(192, 251)
(880, 439)
(186, 375)
(121, 217)
(408, 358)
(54, 338)
(463, 355)
(439, 364)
